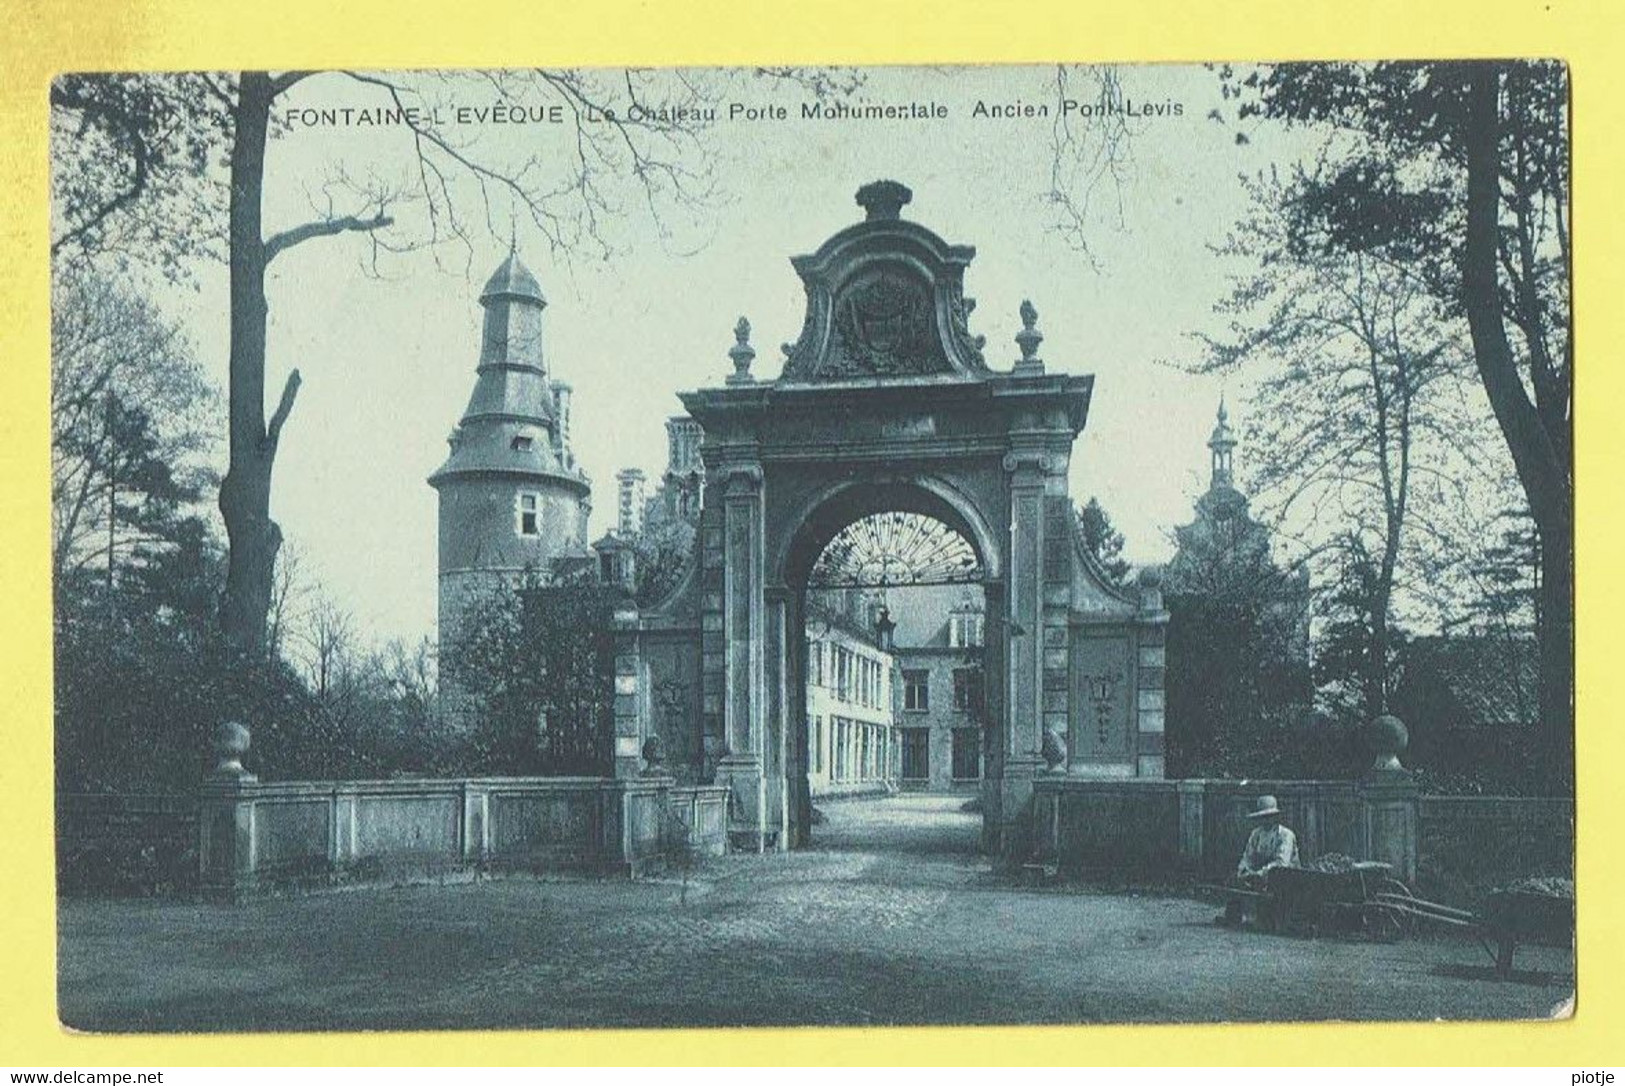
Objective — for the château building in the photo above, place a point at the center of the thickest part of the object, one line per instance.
(1240, 624)
(939, 645)
(512, 500)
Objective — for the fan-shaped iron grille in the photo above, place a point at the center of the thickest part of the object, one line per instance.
(890, 549)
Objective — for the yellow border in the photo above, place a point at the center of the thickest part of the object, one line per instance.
(46, 36)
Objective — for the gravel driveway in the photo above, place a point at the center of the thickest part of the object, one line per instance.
(891, 918)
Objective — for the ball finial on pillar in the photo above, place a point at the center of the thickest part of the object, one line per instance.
(1388, 738)
(231, 743)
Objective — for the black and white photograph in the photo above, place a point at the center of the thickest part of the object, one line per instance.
(541, 549)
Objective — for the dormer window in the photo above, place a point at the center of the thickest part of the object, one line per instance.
(528, 514)
(522, 443)
(965, 630)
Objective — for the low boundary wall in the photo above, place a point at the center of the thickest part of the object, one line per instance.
(254, 835)
(1454, 847)
(125, 844)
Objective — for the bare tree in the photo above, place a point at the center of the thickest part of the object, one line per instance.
(1091, 154)
(130, 419)
(329, 643)
(1357, 407)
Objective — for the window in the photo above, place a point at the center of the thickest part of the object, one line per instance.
(522, 443)
(843, 673)
(916, 691)
(967, 754)
(916, 754)
(529, 515)
(815, 663)
(965, 630)
(967, 689)
(818, 744)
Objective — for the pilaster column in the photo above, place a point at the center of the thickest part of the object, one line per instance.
(779, 740)
(631, 726)
(1033, 472)
(743, 626)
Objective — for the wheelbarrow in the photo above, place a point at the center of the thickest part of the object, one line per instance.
(1510, 917)
(1304, 899)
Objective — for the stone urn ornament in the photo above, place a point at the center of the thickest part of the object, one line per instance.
(1388, 738)
(654, 757)
(231, 742)
(1054, 752)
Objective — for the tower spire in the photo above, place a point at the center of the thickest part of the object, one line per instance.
(1223, 444)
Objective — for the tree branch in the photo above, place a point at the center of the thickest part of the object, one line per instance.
(322, 228)
(284, 407)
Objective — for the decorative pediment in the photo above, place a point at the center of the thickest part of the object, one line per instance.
(885, 302)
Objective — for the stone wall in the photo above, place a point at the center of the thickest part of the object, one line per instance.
(1471, 844)
(1450, 848)
(256, 836)
(125, 845)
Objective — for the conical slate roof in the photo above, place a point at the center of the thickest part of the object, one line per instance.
(512, 280)
(510, 426)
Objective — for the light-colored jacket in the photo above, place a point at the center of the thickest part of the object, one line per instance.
(1268, 847)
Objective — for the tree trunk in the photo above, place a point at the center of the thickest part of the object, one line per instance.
(1542, 467)
(245, 493)
(1556, 636)
(1376, 679)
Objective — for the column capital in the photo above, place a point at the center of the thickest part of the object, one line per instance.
(739, 479)
(1041, 462)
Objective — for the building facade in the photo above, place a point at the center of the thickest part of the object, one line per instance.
(941, 709)
(851, 695)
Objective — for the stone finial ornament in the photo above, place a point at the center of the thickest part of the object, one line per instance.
(742, 354)
(1388, 738)
(883, 200)
(231, 743)
(1150, 579)
(654, 756)
(1054, 752)
(1028, 340)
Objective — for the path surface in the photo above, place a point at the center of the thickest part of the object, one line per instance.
(891, 918)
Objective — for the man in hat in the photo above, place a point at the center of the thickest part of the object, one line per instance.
(1269, 846)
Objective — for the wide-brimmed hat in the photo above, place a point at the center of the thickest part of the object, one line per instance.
(1263, 807)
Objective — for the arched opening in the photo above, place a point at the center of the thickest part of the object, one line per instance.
(889, 677)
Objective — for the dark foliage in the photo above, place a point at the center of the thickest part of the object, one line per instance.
(1104, 541)
(535, 668)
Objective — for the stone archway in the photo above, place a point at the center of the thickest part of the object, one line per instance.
(886, 402)
(825, 519)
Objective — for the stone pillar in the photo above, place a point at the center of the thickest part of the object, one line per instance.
(226, 837)
(1192, 798)
(778, 740)
(1150, 697)
(1031, 474)
(476, 826)
(1389, 799)
(631, 727)
(799, 745)
(743, 621)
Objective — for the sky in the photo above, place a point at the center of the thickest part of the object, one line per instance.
(387, 360)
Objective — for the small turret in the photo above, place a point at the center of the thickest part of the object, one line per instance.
(509, 494)
(1223, 444)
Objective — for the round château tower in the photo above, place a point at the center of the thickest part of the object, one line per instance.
(511, 499)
